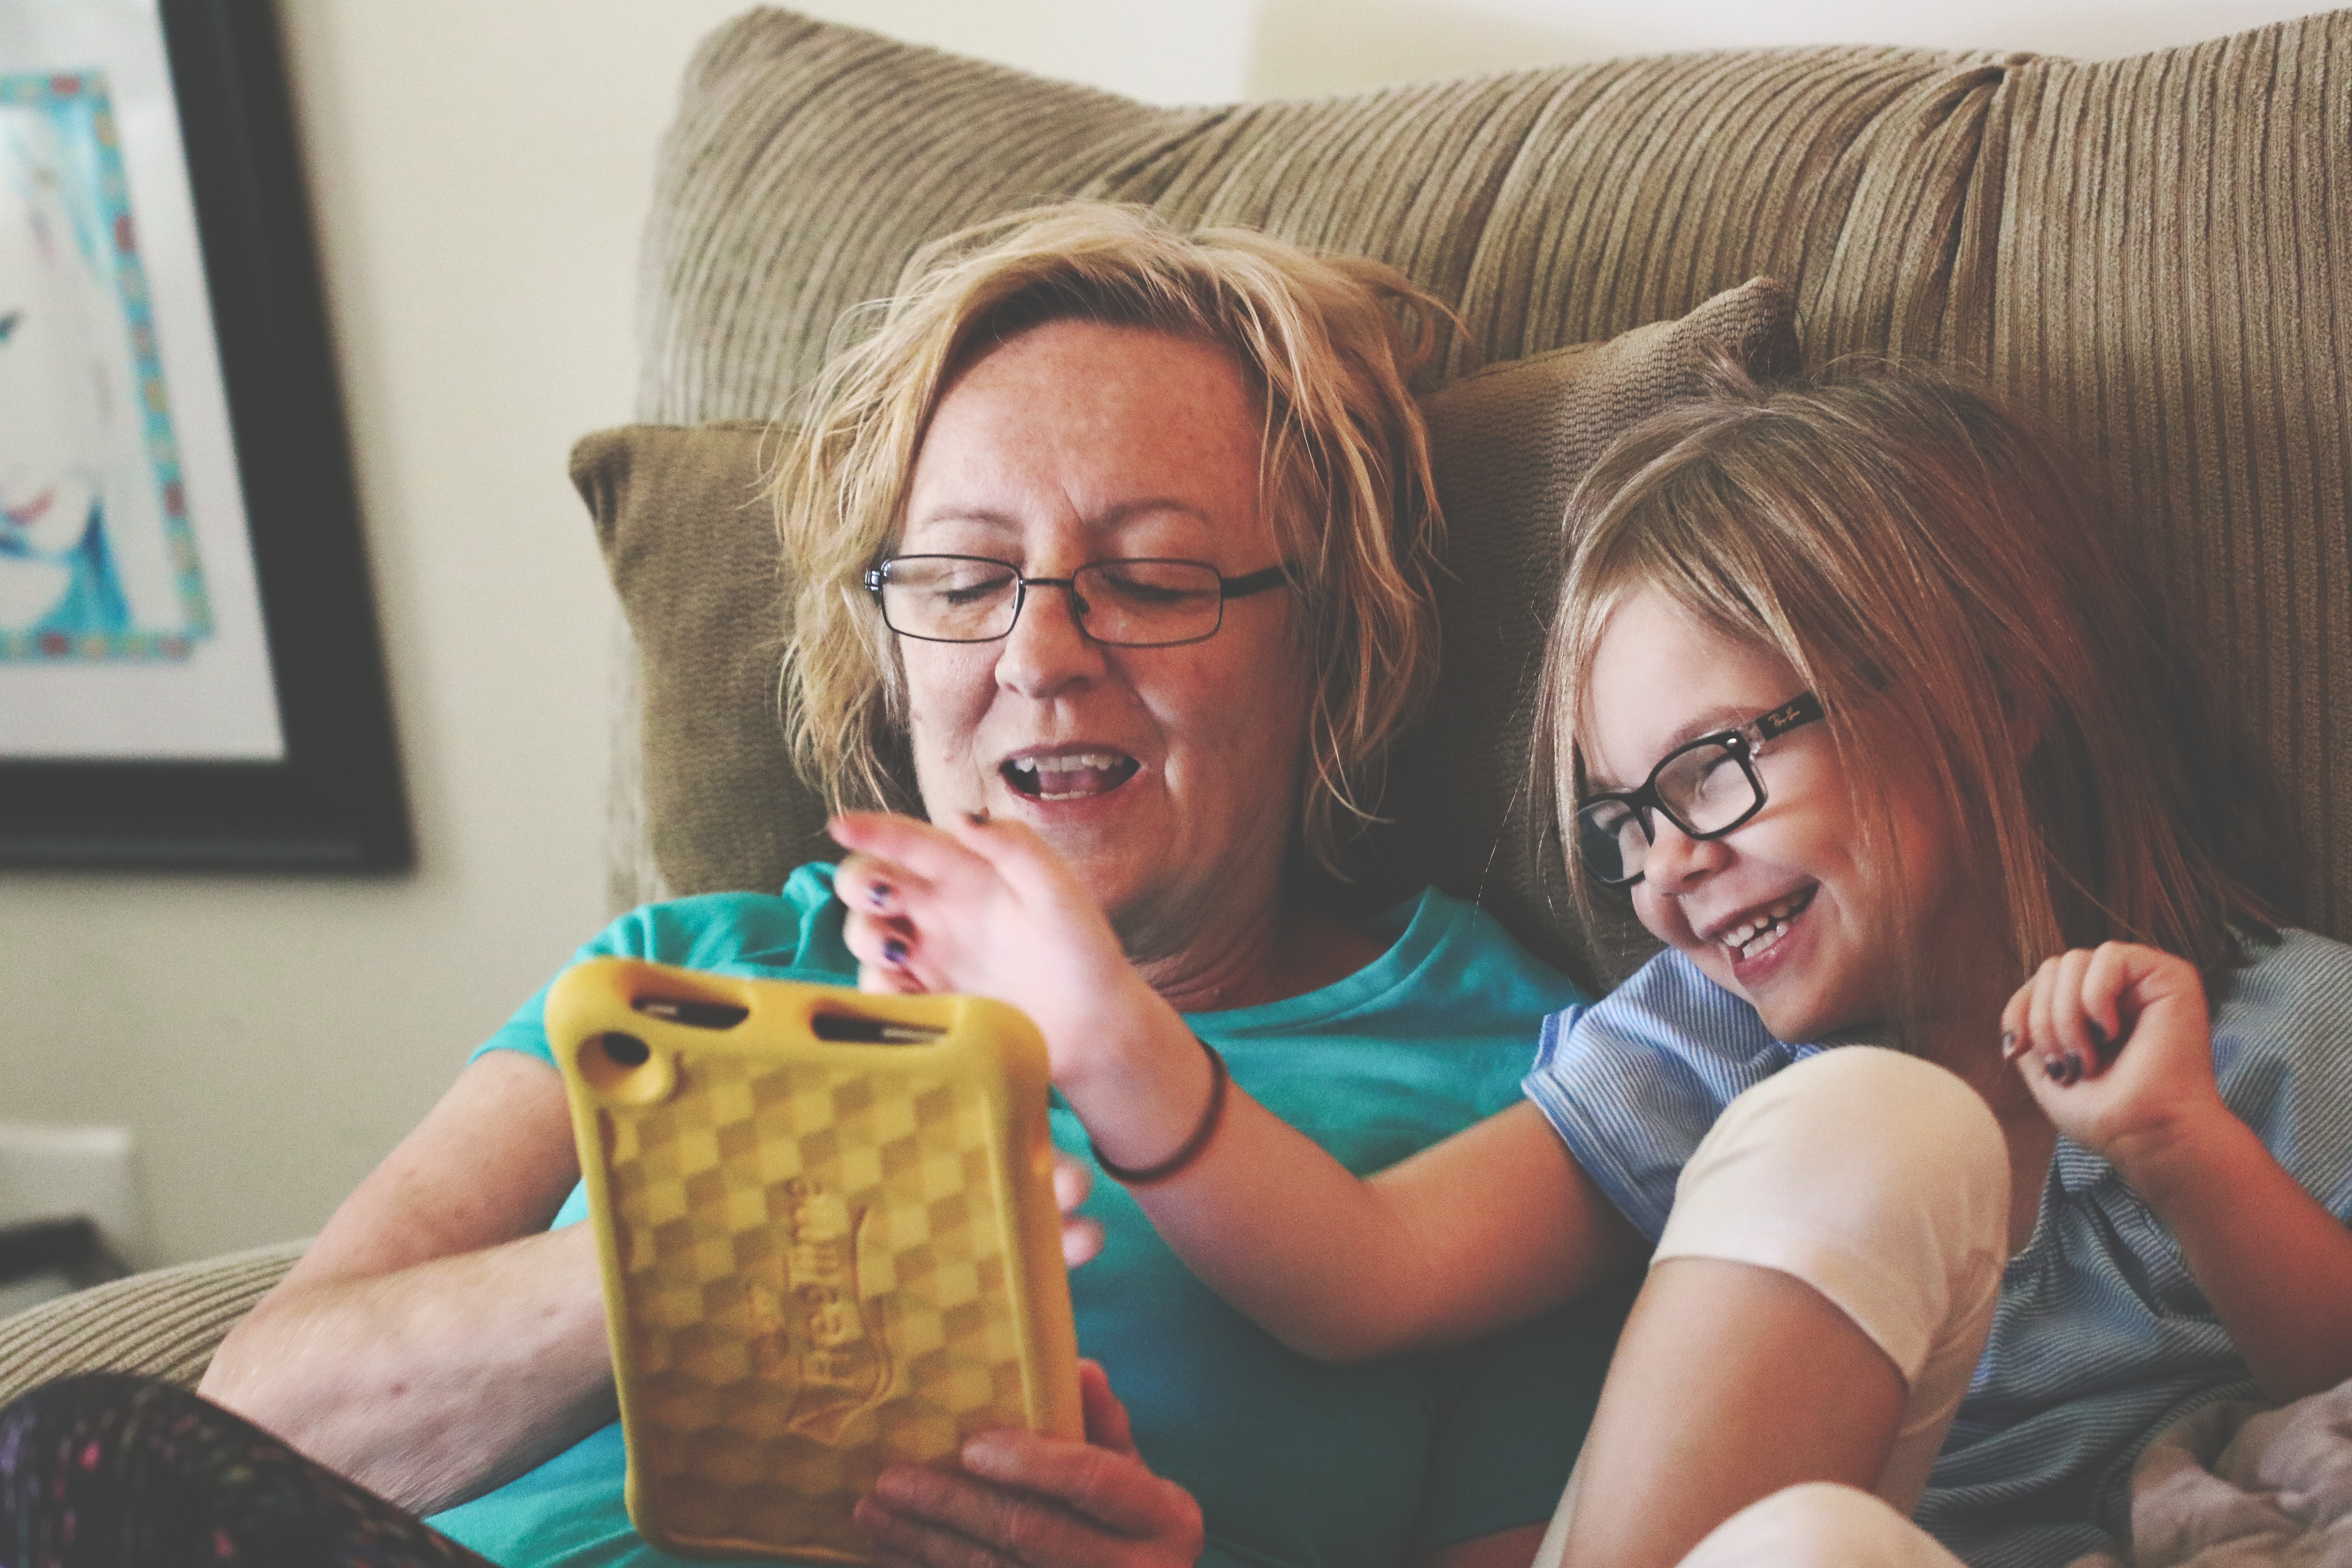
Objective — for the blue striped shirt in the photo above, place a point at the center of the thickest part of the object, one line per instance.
(2101, 1339)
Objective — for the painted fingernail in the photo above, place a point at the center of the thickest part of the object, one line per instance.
(877, 894)
(2099, 1040)
(894, 950)
(977, 818)
(2010, 1047)
(2074, 1070)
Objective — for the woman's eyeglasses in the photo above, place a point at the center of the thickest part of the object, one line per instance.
(1704, 787)
(1125, 603)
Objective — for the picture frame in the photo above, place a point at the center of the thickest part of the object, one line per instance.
(191, 675)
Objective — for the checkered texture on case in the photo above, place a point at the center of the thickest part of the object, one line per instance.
(785, 1223)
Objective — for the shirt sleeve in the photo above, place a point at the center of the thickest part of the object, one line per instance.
(1633, 1083)
(2282, 1056)
(526, 1031)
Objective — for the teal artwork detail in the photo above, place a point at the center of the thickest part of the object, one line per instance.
(98, 562)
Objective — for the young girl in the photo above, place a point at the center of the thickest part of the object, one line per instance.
(1864, 710)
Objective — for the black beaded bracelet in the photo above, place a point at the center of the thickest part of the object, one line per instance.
(1144, 1176)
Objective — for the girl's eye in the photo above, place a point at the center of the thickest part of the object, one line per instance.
(1716, 776)
(1608, 818)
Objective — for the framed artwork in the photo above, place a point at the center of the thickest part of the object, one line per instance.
(190, 675)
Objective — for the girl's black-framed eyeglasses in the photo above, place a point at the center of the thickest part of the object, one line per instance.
(1706, 787)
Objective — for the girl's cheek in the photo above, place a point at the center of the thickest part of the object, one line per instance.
(1661, 917)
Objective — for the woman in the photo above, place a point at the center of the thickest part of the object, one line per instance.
(1125, 535)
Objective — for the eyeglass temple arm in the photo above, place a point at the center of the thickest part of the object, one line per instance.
(1803, 708)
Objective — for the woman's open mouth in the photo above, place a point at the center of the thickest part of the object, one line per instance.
(1067, 775)
(1761, 933)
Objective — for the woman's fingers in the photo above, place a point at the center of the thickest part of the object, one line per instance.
(943, 1519)
(1106, 1423)
(912, 1539)
(1110, 1492)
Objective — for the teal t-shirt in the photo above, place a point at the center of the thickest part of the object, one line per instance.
(1294, 1461)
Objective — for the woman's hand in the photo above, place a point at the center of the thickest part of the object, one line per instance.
(985, 908)
(1040, 1502)
(2115, 1043)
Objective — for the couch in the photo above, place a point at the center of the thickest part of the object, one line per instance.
(2153, 255)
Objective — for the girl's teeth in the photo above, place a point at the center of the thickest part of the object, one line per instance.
(1755, 936)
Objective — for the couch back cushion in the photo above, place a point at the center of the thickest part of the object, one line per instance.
(2148, 254)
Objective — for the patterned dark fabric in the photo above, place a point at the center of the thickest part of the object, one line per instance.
(109, 1468)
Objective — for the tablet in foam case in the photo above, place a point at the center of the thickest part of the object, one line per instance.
(829, 1242)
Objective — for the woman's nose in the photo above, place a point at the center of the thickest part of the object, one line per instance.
(1047, 649)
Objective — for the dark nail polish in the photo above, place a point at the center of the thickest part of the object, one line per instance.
(879, 894)
(2009, 1044)
(977, 818)
(2074, 1070)
(894, 950)
(2054, 1071)
(2099, 1041)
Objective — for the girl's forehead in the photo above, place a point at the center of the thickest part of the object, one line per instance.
(1661, 675)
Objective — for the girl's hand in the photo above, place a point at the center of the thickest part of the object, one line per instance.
(2117, 1046)
(987, 909)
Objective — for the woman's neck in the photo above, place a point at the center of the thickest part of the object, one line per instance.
(1285, 952)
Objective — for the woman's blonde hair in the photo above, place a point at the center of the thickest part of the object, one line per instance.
(1326, 342)
(1936, 576)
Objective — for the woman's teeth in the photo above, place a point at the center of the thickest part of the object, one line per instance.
(1069, 775)
(1757, 934)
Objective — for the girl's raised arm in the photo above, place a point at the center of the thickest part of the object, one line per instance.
(2117, 1044)
(1487, 1227)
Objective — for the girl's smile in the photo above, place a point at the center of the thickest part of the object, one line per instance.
(1784, 911)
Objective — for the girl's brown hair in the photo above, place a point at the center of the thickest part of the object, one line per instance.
(1941, 581)
(1326, 342)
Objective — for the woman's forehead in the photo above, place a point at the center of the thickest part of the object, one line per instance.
(1090, 431)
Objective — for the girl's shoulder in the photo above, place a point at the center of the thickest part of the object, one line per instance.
(2293, 985)
(1667, 1022)
(2282, 1056)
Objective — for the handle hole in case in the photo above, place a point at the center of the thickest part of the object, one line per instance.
(622, 1068)
(694, 1014)
(852, 1029)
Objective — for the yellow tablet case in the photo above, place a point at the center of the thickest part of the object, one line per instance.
(829, 1240)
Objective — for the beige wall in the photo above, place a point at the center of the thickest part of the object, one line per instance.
(479, 173)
